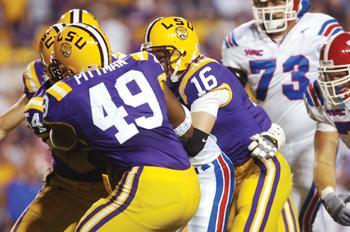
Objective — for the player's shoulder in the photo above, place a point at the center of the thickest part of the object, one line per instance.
(319, 24)
(313, 96)
(145, 61)
(118, 56)
(37, 63)
(206, 69)
(240, 35)
(315, 103)
(61, 89)
(142, 56)
(33, 76)
(200, 63)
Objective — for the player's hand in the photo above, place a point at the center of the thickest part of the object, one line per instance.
(262, 146)
(336, 207)
(265, 145)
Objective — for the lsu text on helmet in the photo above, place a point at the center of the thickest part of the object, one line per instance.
(272, 16)
(47, 42)
(79, 16)
(174, 42)
(79, 48)
(334, 69)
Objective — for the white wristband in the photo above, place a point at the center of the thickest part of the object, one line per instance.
(327, 191)
(185, 125)
(277, 133)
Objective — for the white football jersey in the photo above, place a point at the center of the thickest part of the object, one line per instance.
(328, 116)
(279, 73)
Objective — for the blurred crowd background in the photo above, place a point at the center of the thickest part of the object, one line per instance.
(24, 158)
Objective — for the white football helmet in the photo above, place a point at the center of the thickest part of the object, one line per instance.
(272, 16)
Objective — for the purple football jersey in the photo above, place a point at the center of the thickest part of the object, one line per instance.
(120, 111)
(238, 119)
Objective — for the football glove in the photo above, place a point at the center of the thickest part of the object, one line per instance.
(336, 207)
(265, 145)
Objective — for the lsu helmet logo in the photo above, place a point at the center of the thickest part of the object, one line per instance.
(181, 32)
(66, 49)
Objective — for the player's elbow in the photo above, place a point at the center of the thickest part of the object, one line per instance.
(196, 143)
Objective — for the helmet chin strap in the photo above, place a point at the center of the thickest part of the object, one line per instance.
(174, 77)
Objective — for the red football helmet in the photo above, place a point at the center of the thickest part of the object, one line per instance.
(334, 69)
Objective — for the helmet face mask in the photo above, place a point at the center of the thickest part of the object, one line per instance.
(335, 83)
(272, 16)
(167, 56)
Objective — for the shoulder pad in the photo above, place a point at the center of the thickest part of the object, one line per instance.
(118, 55)
(194, 67)
(31, 77)
(59, 90)
(239, 35)
(324, 24)
(140, 55)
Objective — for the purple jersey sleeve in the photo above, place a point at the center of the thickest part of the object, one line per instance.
(33, 77)
(34, 111)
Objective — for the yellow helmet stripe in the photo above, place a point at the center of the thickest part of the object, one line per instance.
(101, 43)
(58, 27)
(148, 31)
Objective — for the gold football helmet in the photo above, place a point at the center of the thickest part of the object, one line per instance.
(47, 41)
(79, 16)
(174, 42)
(79, 48)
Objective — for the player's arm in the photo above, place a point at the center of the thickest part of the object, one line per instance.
(204, 112)
(179, 116)
(326, 145)
(14, 116)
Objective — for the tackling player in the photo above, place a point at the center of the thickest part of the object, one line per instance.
(221, 110)
(277, 54)
(73, 183)
(327, 101)
(120, 110)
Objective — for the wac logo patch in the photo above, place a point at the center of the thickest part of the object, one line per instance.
(253, 52)
(337, 112)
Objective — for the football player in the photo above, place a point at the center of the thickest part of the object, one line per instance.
(73, 182)
(34, 73)
(120, 110)
(327, 101)
(277, 54)
(221, 110)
